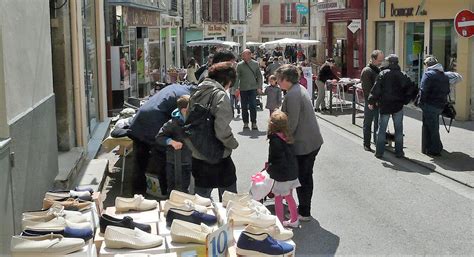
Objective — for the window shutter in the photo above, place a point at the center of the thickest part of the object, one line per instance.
(198, 11)
(266, 14)
(293, 13)
(234, 8)
(226, 11)
(282, 14)
(242, 10)
(205, 10)
(216, 11)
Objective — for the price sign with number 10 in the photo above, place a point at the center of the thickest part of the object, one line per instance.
(218, 242)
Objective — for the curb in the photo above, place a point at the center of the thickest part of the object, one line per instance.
(410, 160)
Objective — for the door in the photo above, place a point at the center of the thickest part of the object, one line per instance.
(90, 63)
(414, 45)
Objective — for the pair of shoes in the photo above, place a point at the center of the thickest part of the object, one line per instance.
(127, 222)
(304, 218)
(252, 217)
(247, 204)
(56, 223)
(231, 196)
(186, 205)
(189, 216)
(367, 148)
(246, 126)
(52, 244)
(317, 110)
(186, 232)
(254, 126)
(250, 244)
(137, 203)
(276, 231)
(70, 204)
(288, 223)
(378, 156)
(59, 195)
(179, 197)
(117, 237)
(56, 210)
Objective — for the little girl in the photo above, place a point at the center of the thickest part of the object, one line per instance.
(282, 167)
(273, 93)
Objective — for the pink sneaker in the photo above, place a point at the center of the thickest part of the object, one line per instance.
(288, 223)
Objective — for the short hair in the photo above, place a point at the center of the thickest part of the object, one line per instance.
(223, 72)
(288, 72)
(223, 56)
(182, 102)
(430, 60)
(375, 54)
(272, 77)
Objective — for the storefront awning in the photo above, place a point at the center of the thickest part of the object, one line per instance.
(137, 4)
(289, 41)
(212, 43)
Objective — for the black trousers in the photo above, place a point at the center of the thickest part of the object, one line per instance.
(151, 159)
(305, 176)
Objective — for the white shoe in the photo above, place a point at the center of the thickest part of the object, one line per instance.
(188, 205)
(294, 224)
(186, 232)
(276, 231)
(56, 223)
(179, 197)
(56, 195)
(230, 196)
(117, 237)
(54, 211)
(256, 218)
(137, 203)
(80, 194)
(252, 204)
(45, 245)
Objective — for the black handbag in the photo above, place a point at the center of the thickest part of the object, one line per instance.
(199, 128)
(448, 112)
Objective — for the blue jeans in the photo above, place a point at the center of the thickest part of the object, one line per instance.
(381, 134)
(206, 192)
(248, 99)
(431, 141)
(369, 117)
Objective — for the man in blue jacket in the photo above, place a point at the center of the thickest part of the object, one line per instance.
(144, 127)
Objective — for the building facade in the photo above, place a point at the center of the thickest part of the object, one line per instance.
(281, 19)
(414, 29)
(52, 98)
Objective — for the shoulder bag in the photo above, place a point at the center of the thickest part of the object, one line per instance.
(448, 112)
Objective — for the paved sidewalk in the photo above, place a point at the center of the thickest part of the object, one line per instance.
(457, 158)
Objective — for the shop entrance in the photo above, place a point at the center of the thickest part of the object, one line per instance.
(414, 45)
(339, 55)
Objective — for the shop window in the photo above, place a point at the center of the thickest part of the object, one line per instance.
(443, 43)
(385, 37)
(414, 50)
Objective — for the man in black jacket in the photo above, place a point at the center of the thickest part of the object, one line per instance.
(390, 93)
(367, 78)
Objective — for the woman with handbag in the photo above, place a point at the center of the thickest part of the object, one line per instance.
(214, 169)
(434, 89)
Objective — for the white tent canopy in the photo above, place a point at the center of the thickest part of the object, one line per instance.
(288, 41)
(212, 42)
(253, 43)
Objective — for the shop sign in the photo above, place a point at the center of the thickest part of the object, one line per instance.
(218, 242)
(212, 30)
(141, 18)
(331, 5)
(464, 23)
(355, 25)
(280, 33)
(302, 9)
(406, 12)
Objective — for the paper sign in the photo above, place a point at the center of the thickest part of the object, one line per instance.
(219, 241)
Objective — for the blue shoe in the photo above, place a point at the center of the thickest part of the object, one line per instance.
(261, 245)
(84, 233)
(189, 216)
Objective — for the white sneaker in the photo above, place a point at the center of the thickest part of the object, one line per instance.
(186, 232)
(188, 205)
(294, 224)
(256, 218)
(56, 223)
(179, 197)
(54, 211)
(45, 245)
(137, 203)
(230, 196)
(276, 231)
(252, 204)
(117, 237)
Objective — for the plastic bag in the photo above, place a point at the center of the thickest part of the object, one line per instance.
(261, 186)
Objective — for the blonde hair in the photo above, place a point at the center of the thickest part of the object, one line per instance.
(182, 102)
(278, 123)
